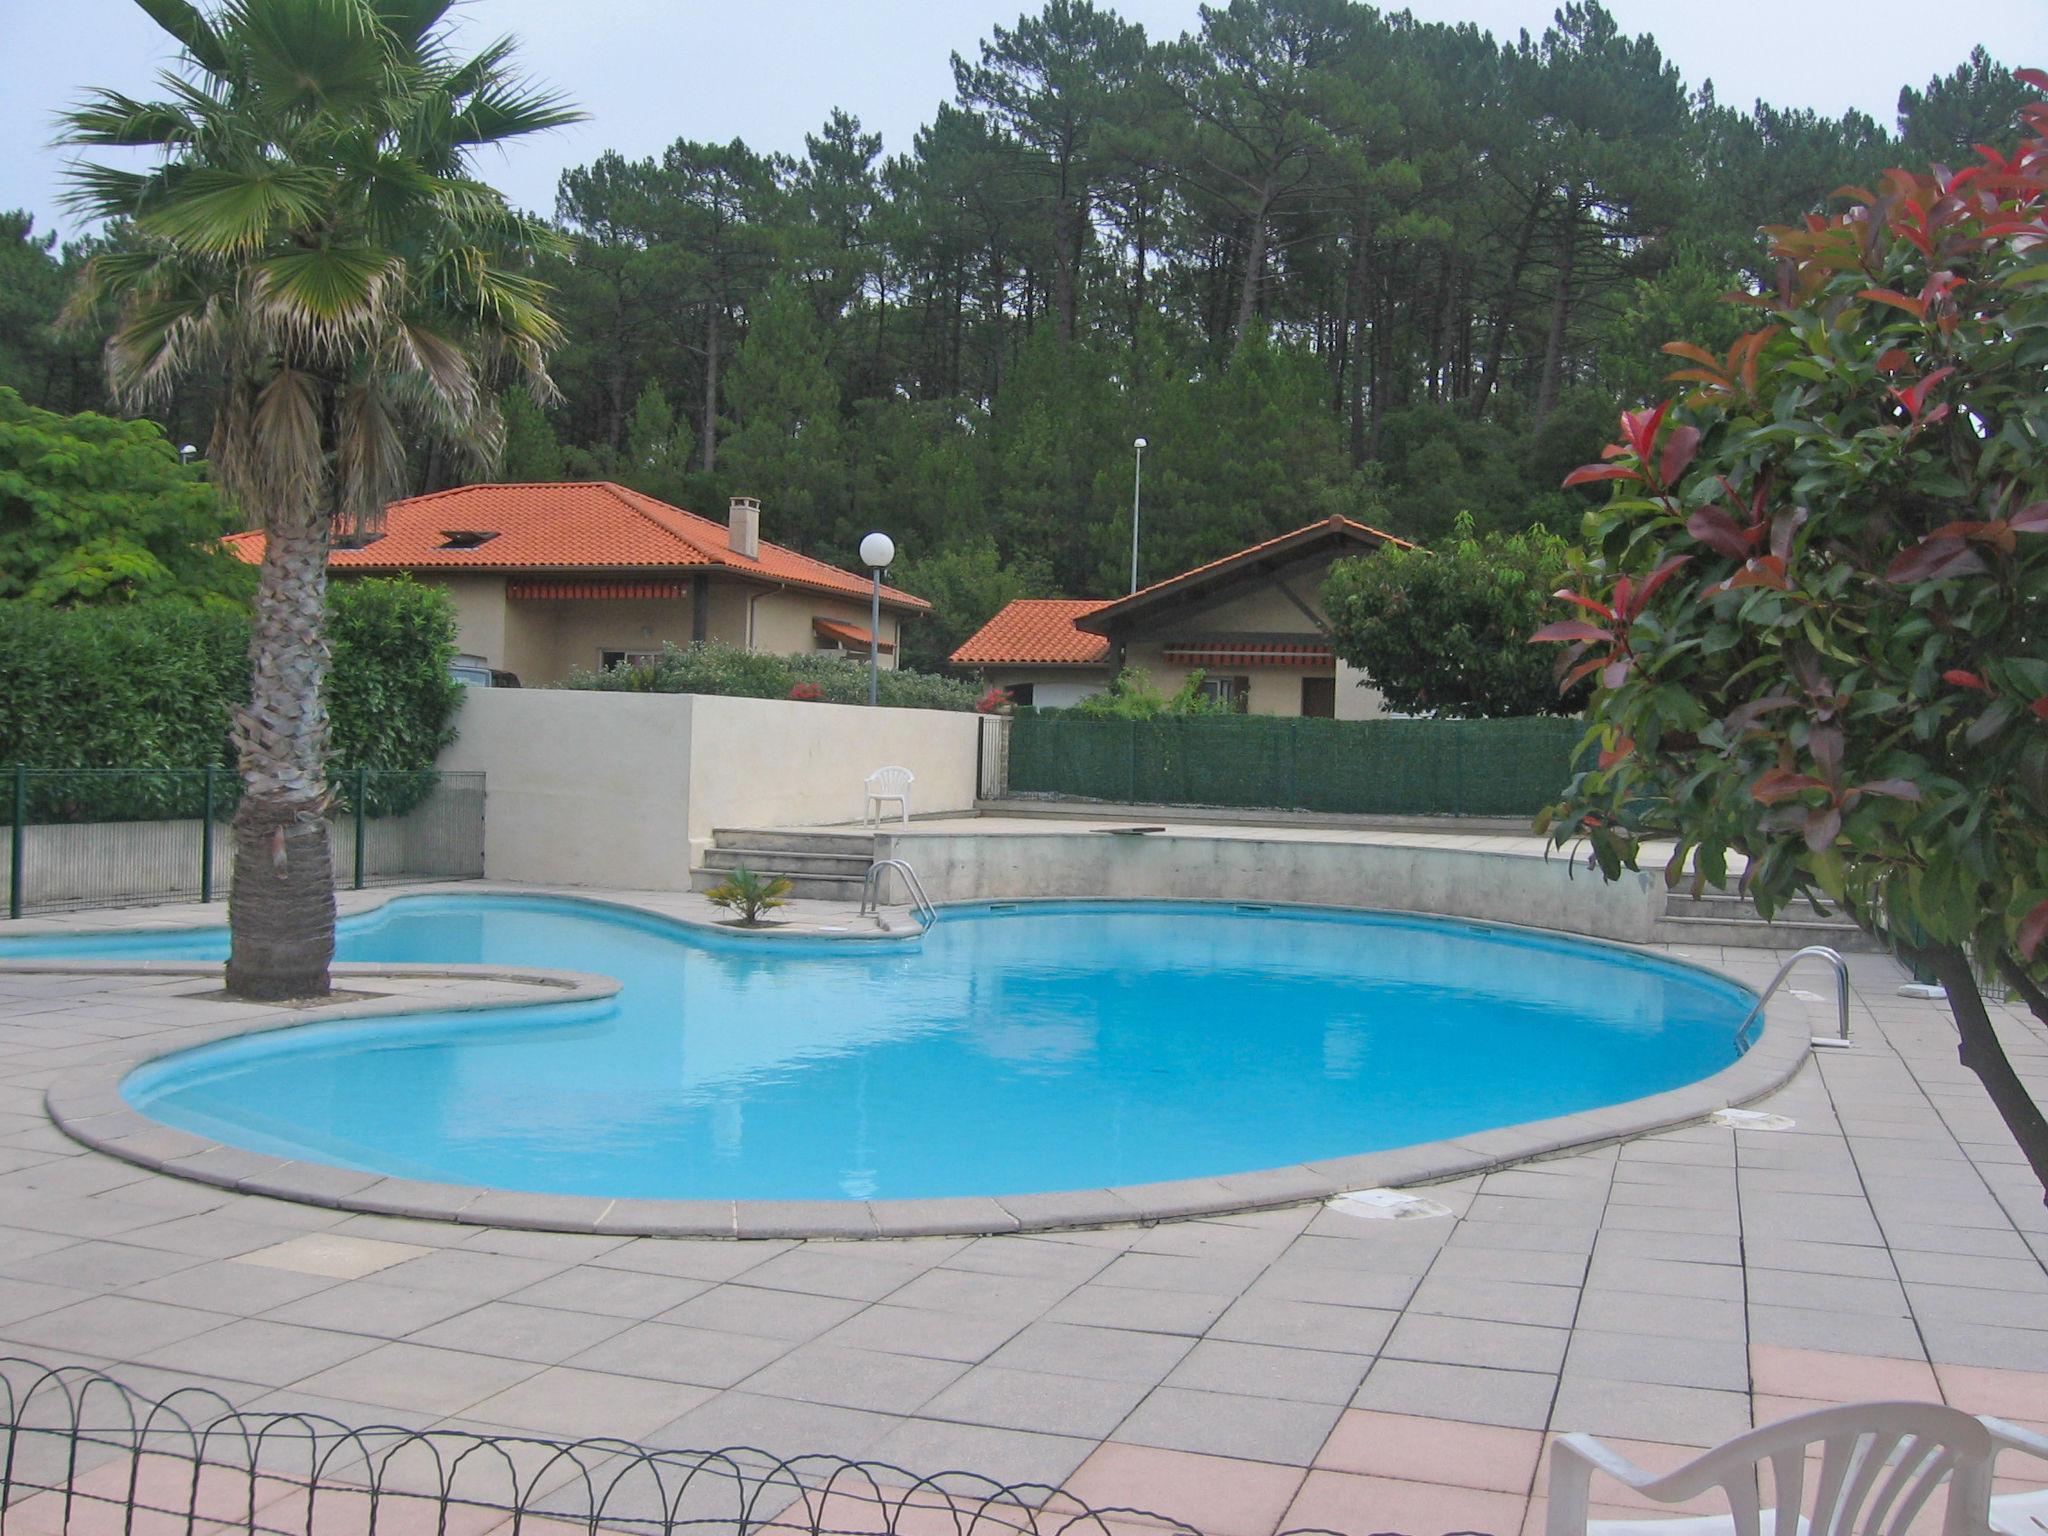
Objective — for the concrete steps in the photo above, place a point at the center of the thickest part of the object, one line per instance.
(1726, 917)
(820, 866)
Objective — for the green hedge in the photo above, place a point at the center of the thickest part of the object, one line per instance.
(1508, 767)
(715, 667)
(154, 687)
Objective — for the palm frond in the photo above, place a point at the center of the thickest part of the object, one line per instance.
(194, 33)
(369, 451)
(444, 369)
(112, 120)
(157, 341)
(415, 23)
(326, 290)
(227, 210)
(505, 110)
(314, 57)
(286, 460)
(104, 191)
(491, 62)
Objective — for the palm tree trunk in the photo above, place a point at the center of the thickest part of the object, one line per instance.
(281, 900)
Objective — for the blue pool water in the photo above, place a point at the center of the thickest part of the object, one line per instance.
(1045, 1047)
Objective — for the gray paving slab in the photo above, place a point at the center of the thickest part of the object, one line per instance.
(1719, 1364)
(1303, 1325)
(1006, 1398)
(927, 1447)
(936, 1335)
(548, 1335)
(1635, 1410)
(1270, 1371)
(1230, 1424)
(1466, 1341)
(1515, 1399)
(766, 1314)
(1110, 1354)
(266, 1353)
(705, 1357)
(415, 1378)
(855, 1378)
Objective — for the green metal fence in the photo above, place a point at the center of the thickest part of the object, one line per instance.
(91, 837)
(1360, 767)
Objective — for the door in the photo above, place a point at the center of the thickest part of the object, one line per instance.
(1319, 697)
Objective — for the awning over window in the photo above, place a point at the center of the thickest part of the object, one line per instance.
(1250, 653)
(542, 588)
(853, 636)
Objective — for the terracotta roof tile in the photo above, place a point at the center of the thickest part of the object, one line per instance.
(1037, 631)
(572, 526)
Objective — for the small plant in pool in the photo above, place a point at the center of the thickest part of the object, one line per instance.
(749, 894)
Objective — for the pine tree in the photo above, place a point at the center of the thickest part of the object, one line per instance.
(532, 452)
(785, 441)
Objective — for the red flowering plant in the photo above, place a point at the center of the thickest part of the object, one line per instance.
(808, 693)
(997, 701)
(1815, 605)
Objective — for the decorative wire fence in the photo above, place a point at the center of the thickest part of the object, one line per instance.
(100, 837)
(1360, 767)
(80, 1453)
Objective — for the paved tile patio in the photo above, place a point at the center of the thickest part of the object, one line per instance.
(1244, 1373)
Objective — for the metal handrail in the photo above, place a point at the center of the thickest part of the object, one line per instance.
(871, 891)
(1841, 969)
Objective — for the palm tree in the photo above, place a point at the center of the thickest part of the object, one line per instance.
(309, 233)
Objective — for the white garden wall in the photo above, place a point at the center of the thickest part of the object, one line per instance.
(624, 789)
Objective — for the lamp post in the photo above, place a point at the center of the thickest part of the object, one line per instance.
(1137, 483)
(876, 551)
(185, 453)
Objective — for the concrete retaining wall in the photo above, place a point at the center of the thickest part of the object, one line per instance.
(102, 862)
(624, 789)
(1447, 882)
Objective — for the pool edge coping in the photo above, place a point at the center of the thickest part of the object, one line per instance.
(86, 1104)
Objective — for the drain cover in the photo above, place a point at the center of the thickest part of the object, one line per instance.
(1752, 1120)
(1385, 1205)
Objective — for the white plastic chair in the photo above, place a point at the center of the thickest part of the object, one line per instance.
(886, 786)
(1880, 1464)
(2019, 1514)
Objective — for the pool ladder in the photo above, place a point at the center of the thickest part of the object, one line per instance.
(871, 892)
(1841, 969)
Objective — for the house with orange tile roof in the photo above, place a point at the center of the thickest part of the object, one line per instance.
(1252, 623)
(553, 578)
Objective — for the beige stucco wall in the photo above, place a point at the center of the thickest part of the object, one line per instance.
(782, 622)
(774, 762)
(568, 635)
(1356, 698)
(479, 614)
(580, 788)
(625, 789)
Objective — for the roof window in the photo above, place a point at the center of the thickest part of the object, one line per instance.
(466, 538)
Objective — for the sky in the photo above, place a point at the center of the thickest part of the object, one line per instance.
(769, 71)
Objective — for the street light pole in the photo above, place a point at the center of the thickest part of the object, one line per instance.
(1137, 484)
(876, 551)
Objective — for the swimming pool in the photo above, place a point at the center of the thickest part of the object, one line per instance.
(1041, 1047)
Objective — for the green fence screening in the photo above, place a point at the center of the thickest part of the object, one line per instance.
(1361, 767)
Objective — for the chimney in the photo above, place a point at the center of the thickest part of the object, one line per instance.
(743, 527)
